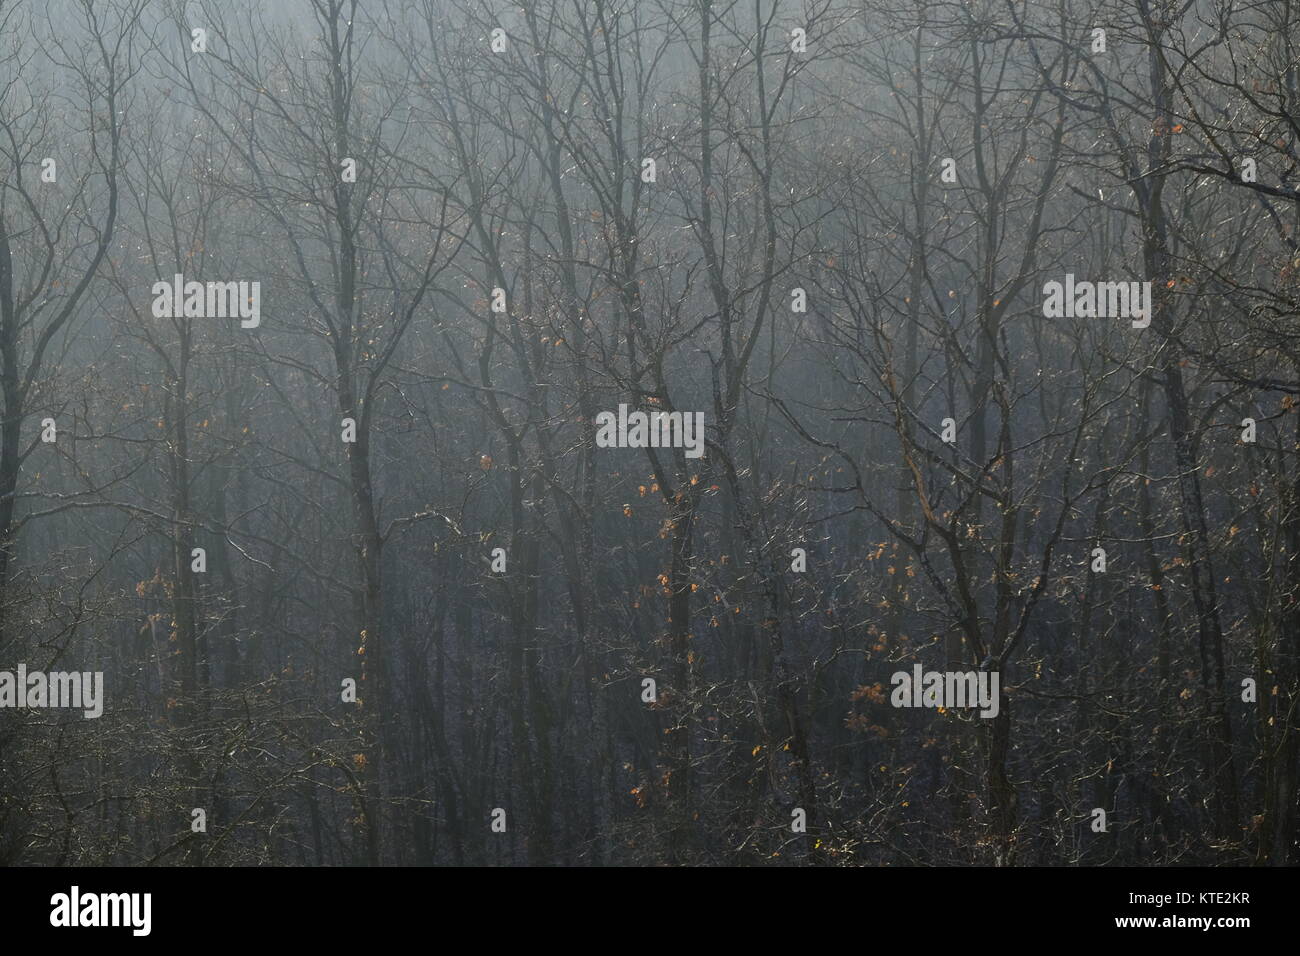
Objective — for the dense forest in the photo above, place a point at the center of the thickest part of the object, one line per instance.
(312, 314)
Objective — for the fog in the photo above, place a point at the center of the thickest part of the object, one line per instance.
(675, 432)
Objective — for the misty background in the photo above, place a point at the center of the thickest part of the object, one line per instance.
(782, 162)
